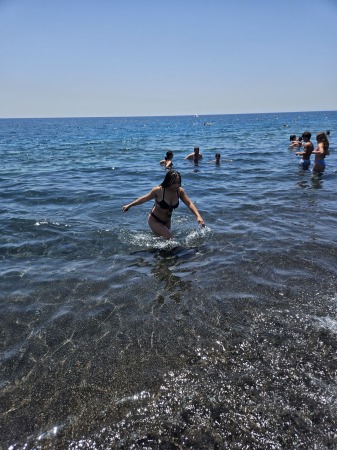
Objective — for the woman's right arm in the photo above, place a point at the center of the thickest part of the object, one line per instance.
(145, 198)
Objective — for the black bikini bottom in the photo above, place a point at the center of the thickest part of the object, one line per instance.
(159, 220)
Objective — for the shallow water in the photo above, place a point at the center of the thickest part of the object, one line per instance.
(224, 337)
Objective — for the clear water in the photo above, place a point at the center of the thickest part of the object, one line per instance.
(224, 337)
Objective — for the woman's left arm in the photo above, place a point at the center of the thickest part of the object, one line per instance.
(185, 198)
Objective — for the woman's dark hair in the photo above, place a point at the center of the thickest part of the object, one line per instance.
(169, 155)
(292, 137)
(170, 178)
(217, 155)
(321, 137)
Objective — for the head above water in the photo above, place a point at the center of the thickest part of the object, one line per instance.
(293, 137)
(322, 137)
(171, 177)
(169, 155)
(196, 150)
(306, 135)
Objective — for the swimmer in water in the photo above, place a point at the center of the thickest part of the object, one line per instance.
(168, 160)
(216, 160)
(294, 141)
(195, 156)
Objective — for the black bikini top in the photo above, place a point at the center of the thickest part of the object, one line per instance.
(164, 205)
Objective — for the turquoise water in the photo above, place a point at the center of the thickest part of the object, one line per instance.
(223, 337)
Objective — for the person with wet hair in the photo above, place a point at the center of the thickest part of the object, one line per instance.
(195, 156)
(294, 141)
(307, 150)
(328, 135)
(168, 160)
(320, 152)
(166, 198)
(216, 160)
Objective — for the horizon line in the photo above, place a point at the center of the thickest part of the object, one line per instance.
(169, 115)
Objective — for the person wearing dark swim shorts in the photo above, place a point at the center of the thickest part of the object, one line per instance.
(166, 198)
(307, 150)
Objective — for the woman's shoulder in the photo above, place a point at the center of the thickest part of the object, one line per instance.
(156, 189)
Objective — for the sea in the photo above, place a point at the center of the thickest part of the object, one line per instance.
(223, 337)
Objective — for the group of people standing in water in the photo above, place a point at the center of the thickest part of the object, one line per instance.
(320, 152)
(196, 156)
(167, 195)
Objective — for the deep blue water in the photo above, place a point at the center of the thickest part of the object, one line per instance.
(223, 337)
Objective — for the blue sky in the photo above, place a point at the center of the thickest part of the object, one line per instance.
(72, 58)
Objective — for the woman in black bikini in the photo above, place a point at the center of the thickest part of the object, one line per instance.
(166, 197)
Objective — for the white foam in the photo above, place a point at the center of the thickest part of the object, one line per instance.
(328, 323)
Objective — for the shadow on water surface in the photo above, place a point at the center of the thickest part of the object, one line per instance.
(163, 264)
(316, 180)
